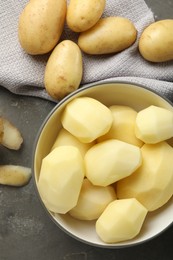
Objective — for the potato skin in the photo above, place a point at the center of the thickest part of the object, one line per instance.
(41, 24)
(156, 41)
(82, 15)
(109, 35)
(64, 70)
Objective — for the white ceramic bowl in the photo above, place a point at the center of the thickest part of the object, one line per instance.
(109, 93)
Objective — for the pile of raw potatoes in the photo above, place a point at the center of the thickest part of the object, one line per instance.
(41, 24)
(109, 164)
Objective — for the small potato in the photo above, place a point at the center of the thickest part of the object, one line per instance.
(123, 126)
(86, 118)
(92, 201)
(64, 70)
(108, 35)
(82, 15)
(41, 24)
(156, 41)
(66, 138)
(152, 183)
(154, 124)
(61, 177)
(110, 161)
(121, 220)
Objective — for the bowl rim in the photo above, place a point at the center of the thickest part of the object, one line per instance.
(43, 124)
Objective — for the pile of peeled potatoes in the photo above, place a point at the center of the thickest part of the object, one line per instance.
(41, 24)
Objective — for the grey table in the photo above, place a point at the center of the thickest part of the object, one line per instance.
(26, 232)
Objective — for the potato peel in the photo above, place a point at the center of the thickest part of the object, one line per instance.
(11, 137)
(1, 129)
(14, 175)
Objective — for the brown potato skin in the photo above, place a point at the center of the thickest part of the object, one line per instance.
(109, 35)
(82, 15)
(40, 25)
(156, 41)
(64, 70)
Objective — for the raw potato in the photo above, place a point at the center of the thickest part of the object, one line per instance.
(154, 124)
(109, 35)
(64, 70)
(12, 138)
(61, 177)
(152, 183)
(14, 175)
(86, 118)
(121, 220)
(82, 15)
(156, 41)
(92, 201)
(123, 126)
(65, 138)
(41, 24)
(110, 161)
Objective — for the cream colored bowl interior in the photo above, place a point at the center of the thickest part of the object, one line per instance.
(109, 94)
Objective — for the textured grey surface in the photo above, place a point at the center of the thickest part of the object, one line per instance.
(26, 231)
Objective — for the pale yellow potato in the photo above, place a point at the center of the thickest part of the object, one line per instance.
(14, 175)
(41, 24)
(61, 177)
(123, 126)
(156, 41)
(121, 220)
(64, 70)
(108, 35)
(66, 138)
(110, 161)
(82, 15)
(154, 124)
(92, 201)
(86, 118)
(152, 183)
(12, 137)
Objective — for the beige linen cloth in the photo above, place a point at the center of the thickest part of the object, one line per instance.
(23, 74)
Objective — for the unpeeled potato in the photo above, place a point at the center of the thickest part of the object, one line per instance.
(156, 41)
(82, 15)
(41, 24)
(108, 35)
(64, 70)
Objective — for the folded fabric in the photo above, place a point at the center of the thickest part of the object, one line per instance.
(24, 74)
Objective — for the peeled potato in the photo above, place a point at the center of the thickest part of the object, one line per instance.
(152, 183)
(11, 138)
(154, 124)
(123, 126)
(121, 220)
(86, 118)
(65, 138)
(110, 161)
(61, 177)
(92, 201)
